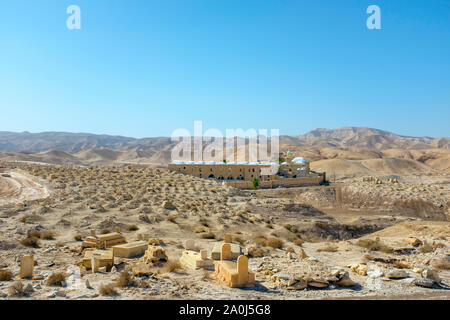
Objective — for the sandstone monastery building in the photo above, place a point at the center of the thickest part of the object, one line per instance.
(292, 172)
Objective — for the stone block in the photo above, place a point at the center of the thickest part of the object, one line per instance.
(234, 274)
(98, 258)
(26, 267)
(154, 254)
(235, 250)
(195, 260)
(131, 249)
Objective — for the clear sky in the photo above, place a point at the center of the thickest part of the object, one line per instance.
(144, 68)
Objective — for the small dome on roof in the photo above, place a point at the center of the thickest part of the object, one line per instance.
(299, 160)
(285, 163)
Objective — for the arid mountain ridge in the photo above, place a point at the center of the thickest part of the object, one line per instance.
(349, 143)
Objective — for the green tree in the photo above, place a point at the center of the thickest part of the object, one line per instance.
(255, 183)
(280, 160)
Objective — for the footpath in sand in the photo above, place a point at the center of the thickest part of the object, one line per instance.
(17, 186)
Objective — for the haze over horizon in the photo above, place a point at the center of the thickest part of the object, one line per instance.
(146, 68)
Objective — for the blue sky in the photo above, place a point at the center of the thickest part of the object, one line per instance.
(144, 68)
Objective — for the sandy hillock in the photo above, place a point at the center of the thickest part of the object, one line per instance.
(376, 167)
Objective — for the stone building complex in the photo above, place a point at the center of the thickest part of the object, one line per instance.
(292, 172)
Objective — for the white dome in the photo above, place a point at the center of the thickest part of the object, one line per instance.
(285, 163)
(299, 160)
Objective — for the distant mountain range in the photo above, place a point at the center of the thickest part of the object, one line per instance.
(355, 143)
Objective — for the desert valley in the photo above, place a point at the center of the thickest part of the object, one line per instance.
(379, 229)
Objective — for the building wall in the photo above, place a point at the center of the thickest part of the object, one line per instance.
(220, 171)
(286, 182)
(242, 175)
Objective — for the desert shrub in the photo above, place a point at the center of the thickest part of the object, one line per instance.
(46, 235)
(171, 219)
(255, 183)
(200, 229)
(125, 279)
(56, 280)
(105, 231)
(204, 223)
(24, 219)
(328, 248)
(208, 235)
(107, 290)
(132, 227)
(275, 243)
(35, 234)
(290, 250)
(78, 237)
(426, 247)
(441, 264)
(401, 265)
(374, 245)
(256, 252)
(32, 242)
(6, 275)
(260, 240)
(239, 239)
(17, 289)
(296, 241)
(171, 266)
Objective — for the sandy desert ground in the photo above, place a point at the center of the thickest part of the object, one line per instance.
(351, 239)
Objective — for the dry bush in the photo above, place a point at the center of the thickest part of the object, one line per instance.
(290, 250)
(204, 223)
(125, 279)
(374, 245)
(17, 289)
(239, 240)
(401, 265)
(6, 275)
(208, 235)
(275, 243)
(256, 252)
(105, 231)
(78, 237)
(206, 275)
(296, 241)
(24, 219)
(200, 229)
(328, 248)
(132, 227)
(47, 235)
(57, 279)
(441, 264)
(260, 240)
(171, 219)
(107, 290)
(35, 234)
(171, 266)
(32, 242)
(426, 247)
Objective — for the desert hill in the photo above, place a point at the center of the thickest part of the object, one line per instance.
(356, 144)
